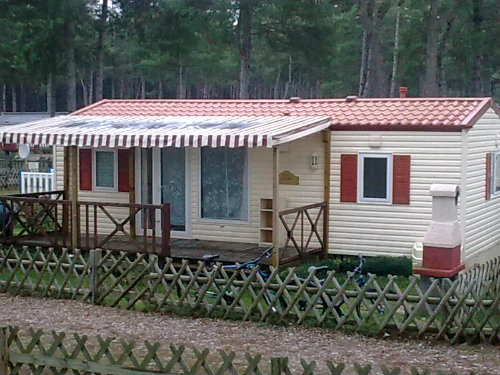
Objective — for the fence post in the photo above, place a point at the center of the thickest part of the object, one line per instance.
(94, 259)
(4, 352)
(278, 365)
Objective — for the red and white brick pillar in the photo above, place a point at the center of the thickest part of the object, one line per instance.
(443, 240)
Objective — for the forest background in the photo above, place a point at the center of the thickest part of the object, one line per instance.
(64, 54)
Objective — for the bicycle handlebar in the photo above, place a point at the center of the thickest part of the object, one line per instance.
(360, 266)
(251, 263)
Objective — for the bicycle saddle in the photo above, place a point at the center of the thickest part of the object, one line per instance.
(210, 257)
(314, 268)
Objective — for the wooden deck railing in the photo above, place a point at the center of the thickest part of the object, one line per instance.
(302, 230)
(94, 216)
(35, 214)
(44, 219)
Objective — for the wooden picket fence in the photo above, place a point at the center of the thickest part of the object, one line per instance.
(31, 351)
(440, 308)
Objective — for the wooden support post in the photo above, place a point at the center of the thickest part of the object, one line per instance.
(165, 230)
(66, 187)
(276, 209)
(327, 141)
(75, 222)
(4, 351)
(94, 259)
(131, 194)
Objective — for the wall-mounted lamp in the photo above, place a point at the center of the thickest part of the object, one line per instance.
(314, 161)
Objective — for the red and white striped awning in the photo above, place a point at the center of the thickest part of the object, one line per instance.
(164, 131)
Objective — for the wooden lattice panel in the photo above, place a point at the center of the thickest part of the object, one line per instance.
(35, 352)
(465, 309)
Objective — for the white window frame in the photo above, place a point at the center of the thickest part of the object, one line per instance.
(246, 191)
(94, 170)
(494, 171)
(361, 165)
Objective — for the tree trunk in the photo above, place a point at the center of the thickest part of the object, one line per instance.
(441, 79)
(14, 98)
(22, 97)
(289, 82)
(245, 45)
(122, 88)
(71, 78)
(100, 51)
(429, 85)
(363, 70)
(51, 97)
(393, 90)
(143, 88)
(276, 88)
(477, 79)
(181, 82)
(160, 90)
(113, 88)
(4, 98)
(371, 15)
(85, 94)
(91, 87)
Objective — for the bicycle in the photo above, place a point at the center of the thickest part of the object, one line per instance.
(325, 302)
(214, 292)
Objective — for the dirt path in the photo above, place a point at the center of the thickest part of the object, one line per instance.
(294, 342)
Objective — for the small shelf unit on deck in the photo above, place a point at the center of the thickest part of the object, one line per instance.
(266, 222)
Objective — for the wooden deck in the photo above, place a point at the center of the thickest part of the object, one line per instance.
(49, 220)
(180, 248)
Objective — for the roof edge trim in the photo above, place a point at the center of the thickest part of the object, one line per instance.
(91, 106)
(400, 128)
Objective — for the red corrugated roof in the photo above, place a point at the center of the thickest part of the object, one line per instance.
(352, 113)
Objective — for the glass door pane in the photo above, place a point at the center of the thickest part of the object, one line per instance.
(173, 185)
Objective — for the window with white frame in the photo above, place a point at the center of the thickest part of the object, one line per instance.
(495, 173)
(105, 169)
(224, 183)
(375, 177)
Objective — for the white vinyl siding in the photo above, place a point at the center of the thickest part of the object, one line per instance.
(377, 229)
(482, 233)
(495, 173)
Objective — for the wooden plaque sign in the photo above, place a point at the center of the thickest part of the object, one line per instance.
(288, 178)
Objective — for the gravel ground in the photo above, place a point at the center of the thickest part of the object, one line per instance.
(294, 342)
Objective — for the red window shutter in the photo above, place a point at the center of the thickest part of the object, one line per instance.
(401, 165)
(488, 176)
(401, 179)
(348, 177)
(123, 170)
(85, 169)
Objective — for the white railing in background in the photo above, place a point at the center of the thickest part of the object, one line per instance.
(37, 182)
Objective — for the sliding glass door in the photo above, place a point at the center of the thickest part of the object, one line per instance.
(164, 179)
(173, 185)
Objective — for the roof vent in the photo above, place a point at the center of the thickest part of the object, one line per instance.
(402, 92)
(295, 99)
(351, 98)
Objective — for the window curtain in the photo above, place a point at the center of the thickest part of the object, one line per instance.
(224, 192)
(105, 164)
